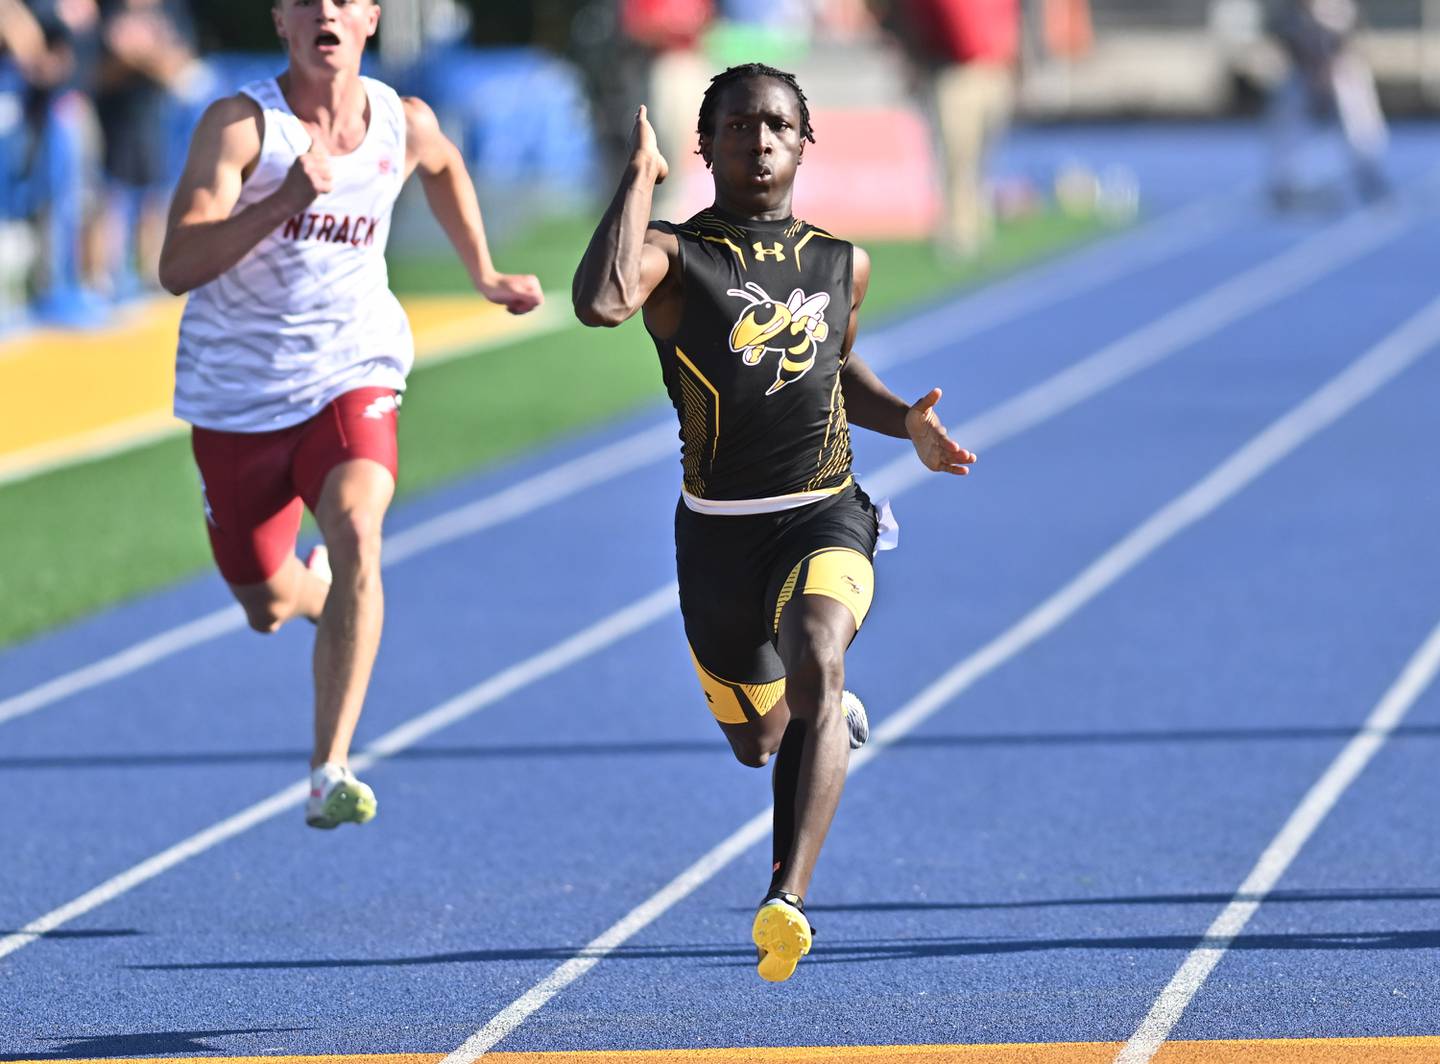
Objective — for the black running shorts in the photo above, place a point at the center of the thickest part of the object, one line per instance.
(737, 572)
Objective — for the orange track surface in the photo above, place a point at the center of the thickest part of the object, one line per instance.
(1257, 1051)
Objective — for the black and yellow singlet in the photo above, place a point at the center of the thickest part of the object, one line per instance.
(754, 368)
(770, 511)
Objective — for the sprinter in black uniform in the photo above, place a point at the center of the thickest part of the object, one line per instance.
(753, 313)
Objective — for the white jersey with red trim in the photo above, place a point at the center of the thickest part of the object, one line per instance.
(308, 314)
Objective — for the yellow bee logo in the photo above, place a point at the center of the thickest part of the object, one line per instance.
(800, 319)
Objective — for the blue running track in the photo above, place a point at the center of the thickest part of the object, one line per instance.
(1070, 781)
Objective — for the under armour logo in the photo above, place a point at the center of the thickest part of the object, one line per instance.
(775, 251)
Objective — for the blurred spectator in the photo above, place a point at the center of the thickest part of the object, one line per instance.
(844, 20)
(148, 54)
(668, 33)
(65, 141)
(23, 55)
(1327, 77)
(966, 51)
(23, 40)
(785, 13)
(1066, 29)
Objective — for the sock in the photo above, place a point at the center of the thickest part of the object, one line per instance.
(793, 900)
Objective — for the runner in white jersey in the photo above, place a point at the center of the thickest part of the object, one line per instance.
(293, 352)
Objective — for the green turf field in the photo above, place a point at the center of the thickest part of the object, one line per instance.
(78, 539)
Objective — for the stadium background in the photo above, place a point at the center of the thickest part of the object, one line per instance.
(538, 96)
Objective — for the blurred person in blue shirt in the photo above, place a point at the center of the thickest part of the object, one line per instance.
(65, 141)
(148, 53)
(22, 41)
(71, 31)
(25, 59)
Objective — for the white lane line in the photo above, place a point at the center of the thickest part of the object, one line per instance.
(625, 454)
(633, 452)
(131, 659)
(1357, 382)
(508, 1019)
(1201, 317)
(582, 644)
(617, 459)
(604, 632)
(945, 325)
(1013, 298)
(1321, 798)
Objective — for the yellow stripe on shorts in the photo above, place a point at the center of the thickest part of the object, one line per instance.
(728, 701)
(840, 573)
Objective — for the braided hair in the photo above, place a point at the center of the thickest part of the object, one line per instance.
(706, 126)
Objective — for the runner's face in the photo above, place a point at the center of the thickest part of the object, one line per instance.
(326, 34)
(756, 145)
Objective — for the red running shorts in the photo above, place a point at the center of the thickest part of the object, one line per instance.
(254, 483)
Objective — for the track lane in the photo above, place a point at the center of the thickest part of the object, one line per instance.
(684, 707)
(261, 680)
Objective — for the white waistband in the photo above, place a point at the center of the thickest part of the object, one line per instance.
(773, 504)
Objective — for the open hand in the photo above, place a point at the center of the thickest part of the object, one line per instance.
(519, 293)
(934, 446)
(643, 145)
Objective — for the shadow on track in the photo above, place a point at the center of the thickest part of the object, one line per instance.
(1279, 897)
(151, 1043)
(686, 747)
(682, 747)
(849, 953)
(93, 933)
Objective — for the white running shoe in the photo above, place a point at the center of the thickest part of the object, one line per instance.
(856, 719)
(337, 797)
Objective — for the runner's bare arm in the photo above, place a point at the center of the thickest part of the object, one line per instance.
(871, 405)
(626, 261)
(451, 195)
(203, 238)
(868, 403)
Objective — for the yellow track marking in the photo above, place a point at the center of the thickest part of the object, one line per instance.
(1421, 1050)
(85, 393)
(77, 382)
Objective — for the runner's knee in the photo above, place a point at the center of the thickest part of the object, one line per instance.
(266, 613)
(264, 621)
(752, 751)
(817, 672)
(353, 538)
